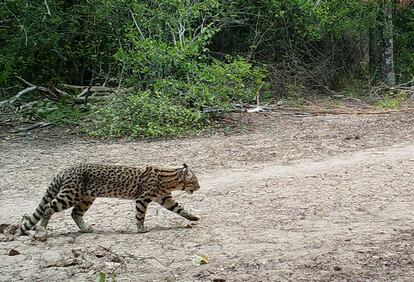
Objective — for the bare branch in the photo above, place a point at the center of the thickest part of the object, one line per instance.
(61, 92)
(17, 96)
(199, 30)
(47, 8)
(51, 94)
(181, 32)
(73, 87)
(25, 81)
(136, 24)
(318, 2)
(91, 88)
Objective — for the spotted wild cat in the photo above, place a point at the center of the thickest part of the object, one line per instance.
(80, 185)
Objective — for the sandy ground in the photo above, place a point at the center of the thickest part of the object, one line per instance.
(283, 198)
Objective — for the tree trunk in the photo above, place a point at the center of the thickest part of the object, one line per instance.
(388, 52)
(365, 45)
(375, 52)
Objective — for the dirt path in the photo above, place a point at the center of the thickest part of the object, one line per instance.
(322, 198)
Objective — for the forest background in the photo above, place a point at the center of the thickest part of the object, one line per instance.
(168, 67)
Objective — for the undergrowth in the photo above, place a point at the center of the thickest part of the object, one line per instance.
(141, 114)
(63, 114)
(391, 100)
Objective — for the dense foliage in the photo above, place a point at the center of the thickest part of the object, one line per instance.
(183, 57)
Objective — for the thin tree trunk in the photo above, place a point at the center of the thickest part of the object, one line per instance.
(388, 52)
(375, 51)
(365, 47)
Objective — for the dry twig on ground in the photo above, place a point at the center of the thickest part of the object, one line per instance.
(31, 127)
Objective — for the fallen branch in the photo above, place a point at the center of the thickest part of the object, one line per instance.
(96, 90)
(222, 111)
(73, 87)
(41, 88)
(410, 82)
(52, 94)
(89, 89)
(13, 99)
(61, 92)
(80, 100)
(31, 127)
(85, 90)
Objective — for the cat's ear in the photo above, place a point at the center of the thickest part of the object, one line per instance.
(183, 172)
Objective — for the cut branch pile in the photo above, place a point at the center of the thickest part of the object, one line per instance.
(81, 94)
(94, 93)
(86, 93)
(406, 88)
(50, 93)
(18, 108)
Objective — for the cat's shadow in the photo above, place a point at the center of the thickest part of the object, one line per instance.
(75, 234)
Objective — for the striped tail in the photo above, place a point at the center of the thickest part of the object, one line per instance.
(30, 221)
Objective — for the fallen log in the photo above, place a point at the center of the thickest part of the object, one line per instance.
(52, 95)
(31, 127)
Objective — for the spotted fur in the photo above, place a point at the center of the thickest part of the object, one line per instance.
(80, 185)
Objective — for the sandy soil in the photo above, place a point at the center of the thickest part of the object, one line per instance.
(283, 198)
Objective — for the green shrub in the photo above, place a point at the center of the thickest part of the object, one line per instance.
(220, 84)
(59, 113)
(216, 85)
(166, 39)
(392, 100)
(141, 114)
(62, 41)
(173, 106)
(404, 43)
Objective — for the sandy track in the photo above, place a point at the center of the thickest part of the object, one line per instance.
(305, 213)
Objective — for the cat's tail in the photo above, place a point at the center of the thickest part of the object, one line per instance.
(29, 221)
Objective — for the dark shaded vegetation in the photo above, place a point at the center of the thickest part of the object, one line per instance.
(166, 63)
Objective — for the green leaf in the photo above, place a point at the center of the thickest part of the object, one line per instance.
(101, 277)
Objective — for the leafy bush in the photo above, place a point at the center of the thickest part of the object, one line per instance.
(220, 84)
(141, 114)
(404, 43)
(174, 106)
(59, 113)
(60, 40)
(392, 100)
(216, 85)
(167, 39)
(165, 59)
(159, 47)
